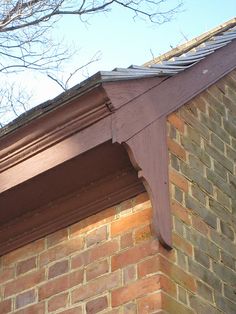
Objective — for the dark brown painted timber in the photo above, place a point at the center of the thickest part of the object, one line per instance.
(56, 146)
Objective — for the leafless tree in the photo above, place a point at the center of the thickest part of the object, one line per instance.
(25, 28)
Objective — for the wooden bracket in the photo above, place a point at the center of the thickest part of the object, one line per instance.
(149, 155)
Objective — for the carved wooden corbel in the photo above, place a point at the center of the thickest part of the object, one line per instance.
(149, 155)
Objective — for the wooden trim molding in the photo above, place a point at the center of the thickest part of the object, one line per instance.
(92, 135)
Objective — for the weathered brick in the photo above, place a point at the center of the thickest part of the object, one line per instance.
(205, 275)
(205, 292)
(38, 308)
(195, 163)
(126, 240)
(231, 153)
(178, 195)
(129, 274)
(182, 244)
(25, 298)
(57, 237)
(196, 150)
(134, 254)
(201, 257)
(213, 96)
(74, 310)
(223, 242)
(58, 269)
(220, 170)
(202, 307)
(214, 127)
(93, 254)
(135, 220)
(26, 265)
(150, 303)
(130, 308)
(92, 222)
(60, 284)
(217, 181)
(178, 180)
(200, 225)
(96, 305)
(227, 230)
(57, 302)
(23, 253)
(176, 121)
(196, 177)
(224, 304)
(198, 194)
(5, 306)
(217, 142)
(97, 269)
(182, 295)
(176, 149)
(181, 212)
(224, 161)
(193, 135)
(230, 128)
(135, 290)
(224, 273)
(209, 217)
(199, 240)
(24, 282)
(95, 287)
(96, 236)
(172, 306)
(230, 292)
(174, 161)
(223, 199)
(60, 251)
(6, 274)
(228, 260)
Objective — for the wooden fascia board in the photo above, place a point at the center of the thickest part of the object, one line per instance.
(52, 127)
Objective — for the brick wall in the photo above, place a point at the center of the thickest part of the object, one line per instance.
(111, 264)
(202, 144)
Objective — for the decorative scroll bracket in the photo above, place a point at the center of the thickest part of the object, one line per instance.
(149, 155)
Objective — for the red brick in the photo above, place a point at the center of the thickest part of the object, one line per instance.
(57, 302)
(182, 244)
(176, 149)
(5, 306)
(25, 298)
(142, 234)
(61, 250)
(134, 254)
(96, 236)
(22, 253)
(176, 121)
(150, 303)
(126, 240)
(93, 254)
(132, 221)
(177, 274)
(129, 274)
(135, 290)
(96, 269)
(149, 266)
(58, 269)
(178, 180)
(97, 286)
(24, 282)
(92, 222)
(6, 274)
(60, 284)
(38, 308)
(200, 225)
(74, 310)
(25, 266)
(181, 212)
(97, 305)
(57, 237)
(168, 286)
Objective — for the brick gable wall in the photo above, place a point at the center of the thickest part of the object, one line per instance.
(110, 263)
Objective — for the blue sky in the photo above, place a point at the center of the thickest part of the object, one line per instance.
(121, 41)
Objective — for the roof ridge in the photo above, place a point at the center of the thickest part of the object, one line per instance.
(179, 50)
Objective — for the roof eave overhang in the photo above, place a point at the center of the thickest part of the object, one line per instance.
(130, 113)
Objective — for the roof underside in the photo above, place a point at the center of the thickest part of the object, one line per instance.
(169, 64)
